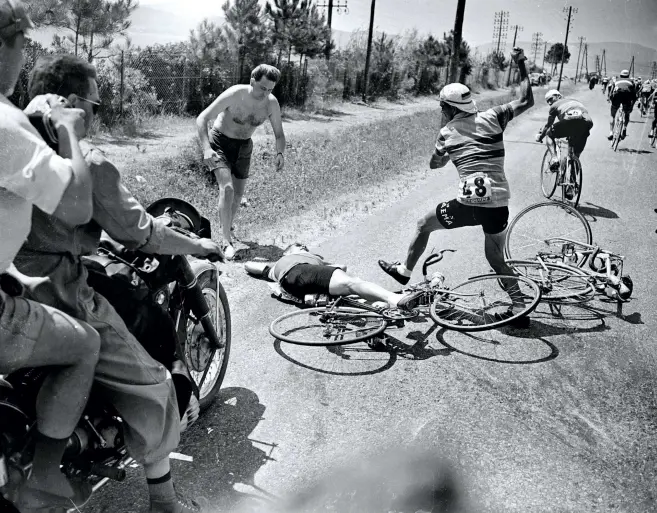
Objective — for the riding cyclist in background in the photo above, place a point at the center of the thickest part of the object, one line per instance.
(646, 90)
(605, 81)
(573, 122)
(623, 93)
(652, 103)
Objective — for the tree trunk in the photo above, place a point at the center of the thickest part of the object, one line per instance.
(289, 54)
(77, 34)
(91, 47)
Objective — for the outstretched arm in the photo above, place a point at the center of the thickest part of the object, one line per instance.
(257, 268)
(526, 100)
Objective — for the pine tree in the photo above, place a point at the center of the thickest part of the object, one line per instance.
(284, 15)
(247, 29)
(310, 34)
(94, 23)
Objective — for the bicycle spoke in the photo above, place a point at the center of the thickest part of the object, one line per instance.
(322, 326)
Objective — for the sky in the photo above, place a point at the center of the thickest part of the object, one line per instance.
(631, 21)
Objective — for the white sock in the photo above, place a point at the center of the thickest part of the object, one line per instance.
(401, 269)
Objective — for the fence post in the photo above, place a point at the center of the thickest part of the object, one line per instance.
(184, 77)
(121, 88)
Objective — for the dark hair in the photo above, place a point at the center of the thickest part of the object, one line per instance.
(61, 74)
(267, 71)
(289, 249)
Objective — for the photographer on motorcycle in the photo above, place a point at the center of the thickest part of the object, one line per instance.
(31, 334)
(140, 388)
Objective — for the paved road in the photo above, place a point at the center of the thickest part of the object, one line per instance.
(560, 417)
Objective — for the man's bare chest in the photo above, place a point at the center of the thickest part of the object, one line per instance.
(247, 115)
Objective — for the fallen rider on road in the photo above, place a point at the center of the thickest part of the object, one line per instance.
(300, 272)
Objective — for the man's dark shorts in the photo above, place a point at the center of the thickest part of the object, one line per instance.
(453, 214)
(234, 154)
(575, 130)
(305, 279)
(623, 98)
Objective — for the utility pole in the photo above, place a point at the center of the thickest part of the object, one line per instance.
(341, 8)
(632, 67)
(544, 53)
(565, 44)
(458, 35)
(586, 58)
(536, 43)
(653, 73)
(369, 52)
(515, 28)
(500, 27)
(581, 40)
(604, 62)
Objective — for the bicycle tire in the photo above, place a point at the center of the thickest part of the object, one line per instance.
(529, 231)
(306, 328)
(560, 284)
(547, 174)
(487, 306)
(575, 172)
(618, 129)
(653, 139)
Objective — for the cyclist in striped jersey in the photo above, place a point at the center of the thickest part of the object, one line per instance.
(473, 141)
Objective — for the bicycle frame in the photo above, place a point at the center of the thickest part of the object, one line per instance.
(571, 250)
(552, 143)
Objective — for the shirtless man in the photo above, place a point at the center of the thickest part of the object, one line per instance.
(237, 112)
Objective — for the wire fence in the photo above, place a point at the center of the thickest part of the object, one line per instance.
(138, 84)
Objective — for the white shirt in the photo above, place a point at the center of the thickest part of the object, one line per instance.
(31, 173)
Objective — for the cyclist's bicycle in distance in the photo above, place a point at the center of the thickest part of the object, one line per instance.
(568, 177)
(480, 303)
(619, 125)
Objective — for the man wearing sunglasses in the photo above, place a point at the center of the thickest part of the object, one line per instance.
(139, 387)
(474, 142)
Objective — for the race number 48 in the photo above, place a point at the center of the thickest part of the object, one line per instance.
(475, 189)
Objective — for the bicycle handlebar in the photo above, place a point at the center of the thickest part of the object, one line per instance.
(434, 258)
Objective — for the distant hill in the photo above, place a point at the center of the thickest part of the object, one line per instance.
(618, 56)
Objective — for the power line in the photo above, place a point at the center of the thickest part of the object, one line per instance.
(500, 28)
(536, 43)
(565, 44)
(581, 40)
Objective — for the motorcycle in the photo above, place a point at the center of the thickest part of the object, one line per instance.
(176, 307)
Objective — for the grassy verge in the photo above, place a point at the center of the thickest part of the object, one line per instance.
(327, 178)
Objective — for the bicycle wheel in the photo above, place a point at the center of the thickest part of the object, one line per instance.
(558, 282)
(618, 129)
(485, 302)
(574, 183)
(532, 231)
(653, 139)
(327, 327)
(549, 178)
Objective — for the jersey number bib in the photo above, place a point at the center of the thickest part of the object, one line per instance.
(573, 114)
(475, 189)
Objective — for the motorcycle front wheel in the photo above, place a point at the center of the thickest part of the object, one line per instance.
(207, 365)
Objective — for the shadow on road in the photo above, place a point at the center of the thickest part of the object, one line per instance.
(224, 453)
(632, 150)
(340, 360)
(255, 251)
(592, 212)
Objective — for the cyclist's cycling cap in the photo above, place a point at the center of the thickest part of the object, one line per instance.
(625, 74)
(552, 93)
(13, 19)
(459, 96)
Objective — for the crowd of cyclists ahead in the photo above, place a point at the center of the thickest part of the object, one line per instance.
(626, 92)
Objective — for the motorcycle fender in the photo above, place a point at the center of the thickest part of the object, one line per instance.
(200, 266)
